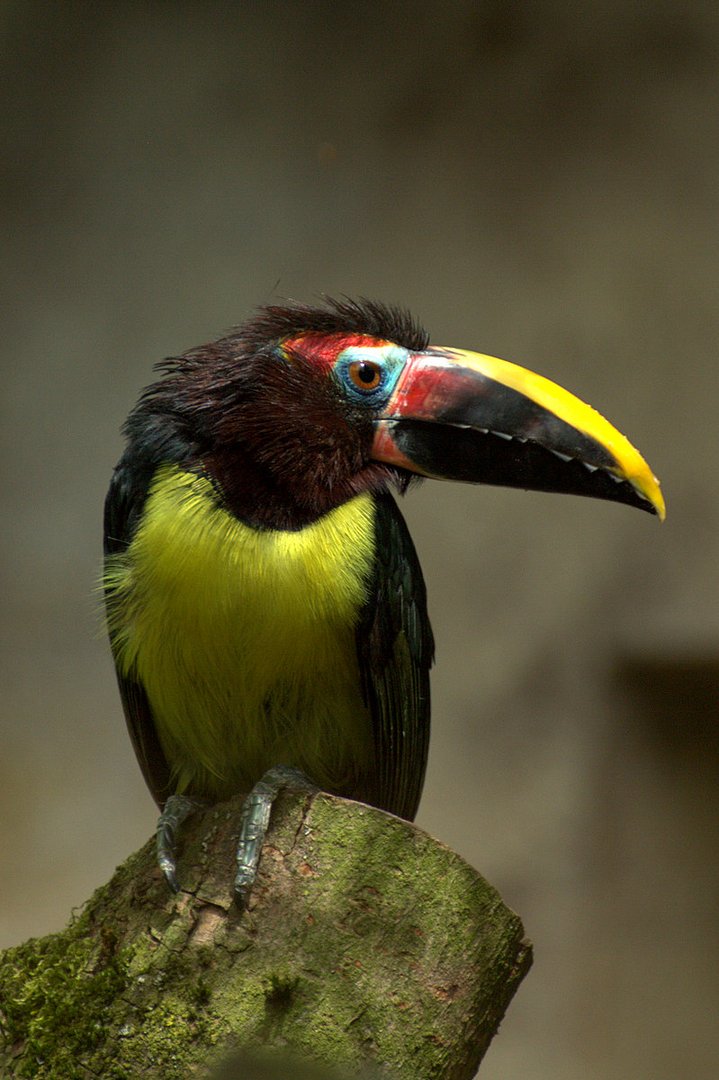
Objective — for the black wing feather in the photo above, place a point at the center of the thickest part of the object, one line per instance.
(395, 651)
(123, 508)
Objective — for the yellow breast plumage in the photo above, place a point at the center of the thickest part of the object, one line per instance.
(244, 639)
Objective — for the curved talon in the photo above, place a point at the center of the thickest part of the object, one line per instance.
(167, 864)
(255, 820)
(175, 811)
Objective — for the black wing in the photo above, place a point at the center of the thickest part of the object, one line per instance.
(395, 651)
(123, 508)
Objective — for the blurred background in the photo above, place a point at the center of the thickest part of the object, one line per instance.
(537, 181)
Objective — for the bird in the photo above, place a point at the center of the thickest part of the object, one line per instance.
(265, 604)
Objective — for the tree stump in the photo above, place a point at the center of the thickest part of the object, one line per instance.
(364, 942)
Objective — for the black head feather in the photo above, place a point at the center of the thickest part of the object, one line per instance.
(224, 369)
(229, 410)
(340, 316)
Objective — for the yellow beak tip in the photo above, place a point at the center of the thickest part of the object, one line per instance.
(653, 494)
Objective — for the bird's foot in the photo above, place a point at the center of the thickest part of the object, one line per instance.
(174, 812)
(255, 820)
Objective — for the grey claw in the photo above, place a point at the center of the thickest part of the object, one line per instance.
(174, 812)
(255, 821)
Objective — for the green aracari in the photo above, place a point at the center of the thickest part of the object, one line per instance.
(265, 604)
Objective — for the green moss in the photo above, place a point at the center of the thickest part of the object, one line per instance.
(357, 952)
(63, 985)
(201, 993)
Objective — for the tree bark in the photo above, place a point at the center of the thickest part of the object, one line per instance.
(365, 942)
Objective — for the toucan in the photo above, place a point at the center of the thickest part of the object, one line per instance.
(265, 603)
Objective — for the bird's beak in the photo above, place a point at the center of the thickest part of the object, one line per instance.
(460, 415)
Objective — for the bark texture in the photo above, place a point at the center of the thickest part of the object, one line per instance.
(365, 943)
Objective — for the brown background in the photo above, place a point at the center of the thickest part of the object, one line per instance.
(534, 180)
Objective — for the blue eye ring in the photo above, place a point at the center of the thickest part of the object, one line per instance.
(366, 375)
(369, 373)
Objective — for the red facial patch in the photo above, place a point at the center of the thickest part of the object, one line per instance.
(322, 350)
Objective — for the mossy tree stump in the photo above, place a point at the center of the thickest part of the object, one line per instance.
(364, 941)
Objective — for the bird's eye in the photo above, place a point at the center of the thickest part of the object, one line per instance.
(365, 374)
